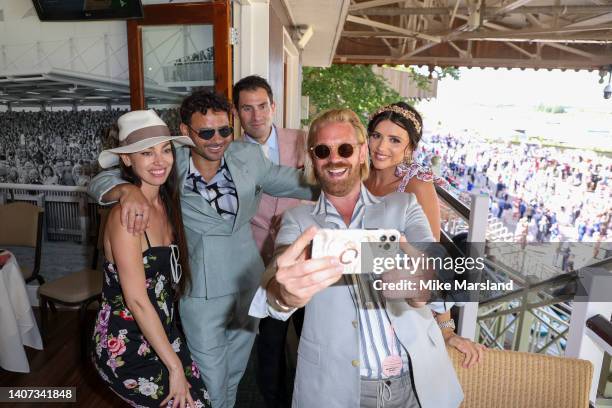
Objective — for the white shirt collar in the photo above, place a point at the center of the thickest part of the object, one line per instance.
(365, 197)
(272, 141)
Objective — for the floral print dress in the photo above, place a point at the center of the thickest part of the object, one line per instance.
(122, 356)
(408, 171)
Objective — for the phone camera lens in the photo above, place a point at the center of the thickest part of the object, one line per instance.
(383, 238)
(392, 238)
(387, 246)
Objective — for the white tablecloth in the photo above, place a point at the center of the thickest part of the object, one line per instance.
(17, 323)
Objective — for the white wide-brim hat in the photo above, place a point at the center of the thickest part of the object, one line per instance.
(139, 130)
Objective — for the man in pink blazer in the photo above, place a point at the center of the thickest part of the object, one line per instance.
(254, 105)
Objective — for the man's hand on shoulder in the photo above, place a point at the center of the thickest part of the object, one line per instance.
(134, 208)
(298, 279)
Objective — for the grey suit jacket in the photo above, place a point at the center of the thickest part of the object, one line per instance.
(328, 354)
(223, 256)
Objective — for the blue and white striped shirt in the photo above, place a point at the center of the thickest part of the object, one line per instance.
(377, 338)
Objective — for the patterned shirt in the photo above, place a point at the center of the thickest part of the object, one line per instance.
(219, 192)
(377, 339)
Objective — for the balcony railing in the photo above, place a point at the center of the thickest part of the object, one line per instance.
(69, 213)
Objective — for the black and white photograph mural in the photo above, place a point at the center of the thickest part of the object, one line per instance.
(55, 114)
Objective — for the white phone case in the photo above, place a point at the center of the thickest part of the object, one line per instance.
(347, 246)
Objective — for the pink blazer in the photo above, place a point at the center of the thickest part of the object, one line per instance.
(266, 222)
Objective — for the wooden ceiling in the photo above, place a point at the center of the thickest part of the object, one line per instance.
(566, 34)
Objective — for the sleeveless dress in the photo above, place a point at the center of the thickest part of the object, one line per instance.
(122, 356)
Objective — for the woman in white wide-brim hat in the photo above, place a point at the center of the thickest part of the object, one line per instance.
(138, 349)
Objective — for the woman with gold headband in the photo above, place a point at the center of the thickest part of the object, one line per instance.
(394, 134)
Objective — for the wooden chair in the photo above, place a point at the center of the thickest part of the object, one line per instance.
(77, 289)
(510, 379)
(21, 224)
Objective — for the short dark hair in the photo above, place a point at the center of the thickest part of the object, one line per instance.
(251, 83)
(201, 101)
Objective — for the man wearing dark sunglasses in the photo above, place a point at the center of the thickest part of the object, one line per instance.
(254, 105)
(357, 347)
(222, 183)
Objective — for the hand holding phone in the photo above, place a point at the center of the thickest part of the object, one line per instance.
(355, 248)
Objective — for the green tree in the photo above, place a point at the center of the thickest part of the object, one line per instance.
(354, 87)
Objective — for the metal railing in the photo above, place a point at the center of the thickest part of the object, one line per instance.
(69, 213)
(189, 71)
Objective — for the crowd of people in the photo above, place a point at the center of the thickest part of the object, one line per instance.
(542, 194)
(203, 55)
(52, 147)
(57, 147)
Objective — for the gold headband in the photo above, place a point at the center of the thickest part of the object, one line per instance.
(400, 111)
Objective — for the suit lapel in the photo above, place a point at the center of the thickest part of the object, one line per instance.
(320, 220)
(374, 216)
(286, 147)
(239, 171)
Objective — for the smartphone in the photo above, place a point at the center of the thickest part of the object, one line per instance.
(354, 247)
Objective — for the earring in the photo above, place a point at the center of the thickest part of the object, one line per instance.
(407, 159)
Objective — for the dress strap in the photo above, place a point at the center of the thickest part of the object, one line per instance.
(147, 238)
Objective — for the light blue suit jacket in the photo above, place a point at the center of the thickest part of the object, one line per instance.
(223, 256)
(328, 354)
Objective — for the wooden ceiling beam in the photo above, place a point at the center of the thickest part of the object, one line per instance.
(392, 28)
(373, 3)
(520, 49)
(604, 18)
(572, 50)
(533, 20)
(579, 63)
(511, 6)
(489, 11)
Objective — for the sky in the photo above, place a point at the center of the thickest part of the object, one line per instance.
(529, 88)
(497, 103)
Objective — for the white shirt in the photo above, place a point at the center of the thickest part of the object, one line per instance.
(271, 150)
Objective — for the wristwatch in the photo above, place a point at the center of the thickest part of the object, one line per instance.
(448, 324)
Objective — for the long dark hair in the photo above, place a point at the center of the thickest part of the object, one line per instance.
(170, 194)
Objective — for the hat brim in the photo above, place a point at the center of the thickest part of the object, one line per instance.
(110, 157)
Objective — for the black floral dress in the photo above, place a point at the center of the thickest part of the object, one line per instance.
(123, 357)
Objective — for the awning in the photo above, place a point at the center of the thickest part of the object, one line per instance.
(512, 34)
(57, 87)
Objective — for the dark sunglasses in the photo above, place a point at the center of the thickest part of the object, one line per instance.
(208, 134)
(323, 151)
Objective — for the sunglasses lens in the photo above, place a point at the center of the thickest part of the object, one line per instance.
(225, 131)
(322, 151)
(207, 134)
(345, 150)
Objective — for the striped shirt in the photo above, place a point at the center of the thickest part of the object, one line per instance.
(377, 338)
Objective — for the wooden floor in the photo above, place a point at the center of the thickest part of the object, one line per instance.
(59, 364)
